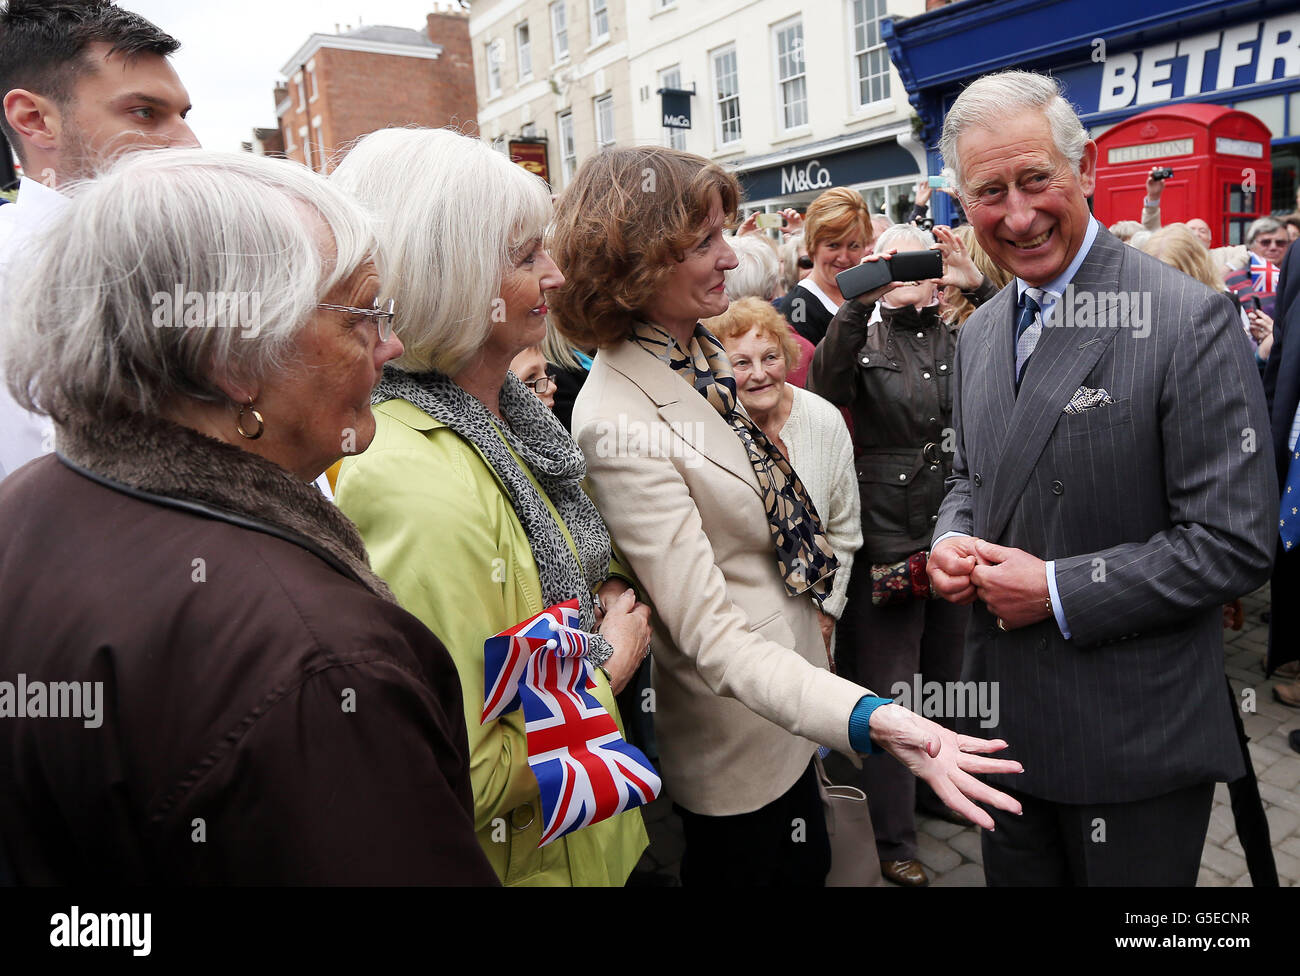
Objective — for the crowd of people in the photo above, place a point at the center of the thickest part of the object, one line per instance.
(281, 513)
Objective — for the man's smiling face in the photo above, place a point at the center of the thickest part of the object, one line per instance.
(1028, 207)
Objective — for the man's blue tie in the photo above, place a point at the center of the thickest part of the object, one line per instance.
(1028, 330)
(1288, 519)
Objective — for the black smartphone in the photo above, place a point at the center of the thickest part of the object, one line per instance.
(903, 266)
(1251, 303)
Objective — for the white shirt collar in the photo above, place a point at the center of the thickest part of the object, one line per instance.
(1056, 287)
(36, 205)
(821, 296)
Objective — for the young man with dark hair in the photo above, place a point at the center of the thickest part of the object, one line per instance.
(82, 81)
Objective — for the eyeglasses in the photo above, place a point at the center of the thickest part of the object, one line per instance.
(540, 385)
(1270, 242)
(382, 314)
(806, 263)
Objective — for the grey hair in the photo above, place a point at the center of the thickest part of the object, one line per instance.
(757, 270)
(892, 236)
(1264, 225)
(90, 322)
(1139, 239)
(450, 213)
(989, 101)
(790, 260)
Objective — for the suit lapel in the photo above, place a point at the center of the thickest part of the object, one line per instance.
(1061, 361)
(686, 414)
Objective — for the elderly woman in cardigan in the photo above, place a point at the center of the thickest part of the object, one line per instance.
(205, 330)
(807, 429)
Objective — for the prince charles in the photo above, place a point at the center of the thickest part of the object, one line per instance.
(1112, 487)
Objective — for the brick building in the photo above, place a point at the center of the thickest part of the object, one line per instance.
(344, 85)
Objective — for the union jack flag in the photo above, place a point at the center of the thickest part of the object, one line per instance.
(505, 655)
(584, 768)
(1264, 274)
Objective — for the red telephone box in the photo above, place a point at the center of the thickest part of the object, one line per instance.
(1221, 158)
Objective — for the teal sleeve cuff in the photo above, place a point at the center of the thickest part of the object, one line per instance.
(860, 723)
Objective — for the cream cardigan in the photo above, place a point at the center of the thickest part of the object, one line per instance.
(821, 452)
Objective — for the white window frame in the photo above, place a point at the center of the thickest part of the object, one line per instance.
(719, 98)
(560, 30)
(596, 36)
(568, 147)
(305, 135)
(493, 63)
(672, 78)
(791, 112)
(604, 139)
(302, 92)
(857, 54)
(524, 50)
(320, 144)
(311, 75)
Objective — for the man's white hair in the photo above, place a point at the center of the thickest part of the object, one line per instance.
(988, 102)
(757, 270)
(90, 323)
(450, 213)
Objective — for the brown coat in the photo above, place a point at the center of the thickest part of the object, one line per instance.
(269, 714)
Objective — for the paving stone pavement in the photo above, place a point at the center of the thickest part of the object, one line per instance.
(951, 854)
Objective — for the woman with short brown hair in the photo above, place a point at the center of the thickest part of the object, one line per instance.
(719, 530)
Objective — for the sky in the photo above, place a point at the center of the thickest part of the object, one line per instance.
(232, 51)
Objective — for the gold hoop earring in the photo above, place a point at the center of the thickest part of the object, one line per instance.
(239, 421)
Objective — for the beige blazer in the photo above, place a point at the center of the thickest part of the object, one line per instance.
(742, 692)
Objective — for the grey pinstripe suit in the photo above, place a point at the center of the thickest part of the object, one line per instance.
(1157, 509)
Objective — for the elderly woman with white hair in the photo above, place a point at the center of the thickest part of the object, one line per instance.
(757, 274)
(205, 330)
(890, 363)
(470, 499)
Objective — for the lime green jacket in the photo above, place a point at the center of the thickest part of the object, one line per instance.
(442, 533)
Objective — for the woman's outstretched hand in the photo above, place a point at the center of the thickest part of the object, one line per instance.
(945, 760)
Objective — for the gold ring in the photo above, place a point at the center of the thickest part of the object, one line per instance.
(1002, 625)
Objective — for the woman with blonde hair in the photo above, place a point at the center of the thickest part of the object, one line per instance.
(1177, 246)
(837, 233)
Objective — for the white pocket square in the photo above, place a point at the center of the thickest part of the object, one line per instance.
(1086, 398)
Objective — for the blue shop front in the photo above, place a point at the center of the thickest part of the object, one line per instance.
(1115, 59)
